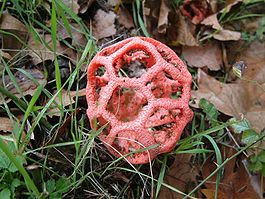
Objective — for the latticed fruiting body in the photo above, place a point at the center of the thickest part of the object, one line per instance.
(141, 89)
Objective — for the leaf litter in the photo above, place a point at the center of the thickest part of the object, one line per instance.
(243, 98)
(209, 55)
(236, 181)
(25, 83)
(180, 175)
(103, 24)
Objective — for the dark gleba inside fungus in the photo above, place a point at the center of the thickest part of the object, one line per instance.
(141, 90)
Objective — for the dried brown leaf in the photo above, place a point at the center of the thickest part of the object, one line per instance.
(163, 17)
(41, 52)
(227, 35)
(209, 55)
(150, 14)
(125, 18)
(212, 21)
(236, 181)
(8, 22)
(219, 33)
(26, 85)
(185, 32)
(17, 32)
(6, 124)
(209, 193)
(181, 175)
(245, 97)
(5, 55)
(73, 5)
(103, 24)
(167, 24)
(76, 37)
(67, 99)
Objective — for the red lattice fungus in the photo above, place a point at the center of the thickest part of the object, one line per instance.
(141, 90)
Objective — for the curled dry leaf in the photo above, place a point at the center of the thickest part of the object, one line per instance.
(185, 35)
(227, 35)
(167, 24)
(209, 55)
(78, 6)
(218, 32)
(244, 97)
(103, 24)
(163, 17)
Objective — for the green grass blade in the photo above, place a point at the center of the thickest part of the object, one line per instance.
(219, 162)
(27, 113)
(54, 42)
(140, 20)
(161, 176)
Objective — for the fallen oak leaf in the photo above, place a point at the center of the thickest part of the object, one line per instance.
(8, 22)
(232, 99)
(180, 175)
(103, 24)
(209, 55)
(242, 97)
